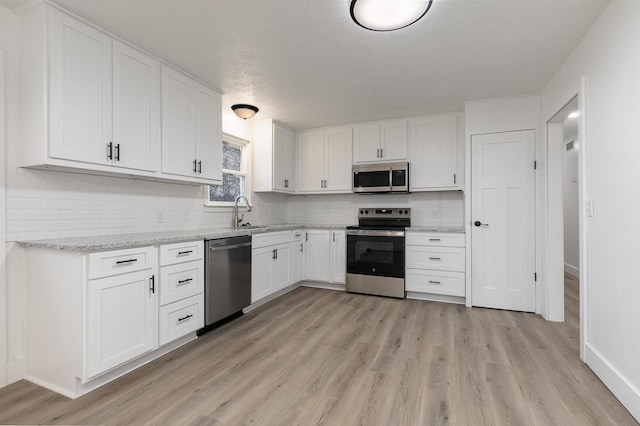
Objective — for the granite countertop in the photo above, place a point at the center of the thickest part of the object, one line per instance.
(451, 229)
(121, 241)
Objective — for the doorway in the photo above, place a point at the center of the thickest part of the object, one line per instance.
(565, 268)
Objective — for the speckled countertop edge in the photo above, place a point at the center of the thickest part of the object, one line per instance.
(123, 241)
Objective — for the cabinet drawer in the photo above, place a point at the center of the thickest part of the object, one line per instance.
(181, 252)
(270, 239)
(436, 282)
(438, 258)
(181, 281)
(440, 239)
(180, 318)
(117, 262)
(297, 235)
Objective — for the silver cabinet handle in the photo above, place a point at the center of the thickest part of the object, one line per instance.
(200, 167)
(435, 282)
(118, 152)
(381, 153)
(435, 239)
(306, 237)
(435, 258)
(334, 237)
(301, 248)
(195, 166)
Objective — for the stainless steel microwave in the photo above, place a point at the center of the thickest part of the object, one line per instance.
(381, 177)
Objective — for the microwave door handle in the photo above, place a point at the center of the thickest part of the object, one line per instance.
(390, 179)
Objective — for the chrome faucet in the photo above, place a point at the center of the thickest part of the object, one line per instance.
(237, 220)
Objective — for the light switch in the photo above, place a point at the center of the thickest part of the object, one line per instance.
(588, 208)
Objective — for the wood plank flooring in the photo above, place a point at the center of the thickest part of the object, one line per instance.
(321, 357)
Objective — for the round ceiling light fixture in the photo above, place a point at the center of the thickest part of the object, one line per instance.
(388, 15)
(244, 111)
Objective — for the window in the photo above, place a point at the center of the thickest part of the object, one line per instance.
(234, 173)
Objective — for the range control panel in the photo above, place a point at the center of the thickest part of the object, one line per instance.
(384, 213)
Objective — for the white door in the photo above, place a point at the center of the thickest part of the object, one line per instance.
(208, 110)
(316, 266)
(80, 97)
(502, 215)
(339, 153)
(312, 161)
(178, 124)
(338, 256)
(394, 140)
(136, 109)
(122, 319)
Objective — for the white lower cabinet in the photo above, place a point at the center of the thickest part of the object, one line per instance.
(435, 263)
(121, 321)
(181, 290)
(325, 256)
(270, 263)
(297, 255)
(102, 314)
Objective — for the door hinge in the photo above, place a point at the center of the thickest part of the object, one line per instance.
(535, 276)
(535, 165)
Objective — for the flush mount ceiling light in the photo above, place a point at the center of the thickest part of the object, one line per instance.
(244, 111)
(574, 114)
(388, 15)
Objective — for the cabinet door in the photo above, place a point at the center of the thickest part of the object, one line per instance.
(281, 268)
(317, 255)
(366, 143)
(297, 261)
(261, 260)
(312, 161)
(208, 110)
(338, 256)
(136, 109)
(339, 164)
(80, 97)
(394, 140)
(284, 154)
(121, 320)
(434, 151)
(178, 123)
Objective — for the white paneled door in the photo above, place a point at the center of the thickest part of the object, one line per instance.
(503, 220)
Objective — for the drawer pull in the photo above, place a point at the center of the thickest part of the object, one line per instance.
(182, 253)
(435, 258)
(435, 282)
(184, 281)
(184, 318)
(435, 239)
(123, 262)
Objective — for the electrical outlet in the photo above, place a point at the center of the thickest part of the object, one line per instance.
(159, 216)
(436, 213)
(187, 216)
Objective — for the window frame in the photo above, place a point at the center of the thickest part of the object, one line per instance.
(244, 171)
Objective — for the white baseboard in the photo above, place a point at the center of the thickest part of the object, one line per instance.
(628, 395)
(572, 270)
(326, 286)
(436, 297)
(16, 370)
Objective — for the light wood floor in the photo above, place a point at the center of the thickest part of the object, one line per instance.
(321, 357)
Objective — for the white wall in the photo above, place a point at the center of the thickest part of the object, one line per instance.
(427, 208)
(609, 58)
(570, 191)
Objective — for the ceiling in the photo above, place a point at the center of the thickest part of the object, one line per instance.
(306, 64)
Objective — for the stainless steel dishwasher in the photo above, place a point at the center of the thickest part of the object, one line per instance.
(227, 283)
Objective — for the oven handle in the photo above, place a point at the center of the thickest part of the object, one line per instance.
(375, 232)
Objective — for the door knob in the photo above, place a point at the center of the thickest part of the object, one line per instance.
(478, 223)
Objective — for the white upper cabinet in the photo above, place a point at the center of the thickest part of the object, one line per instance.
(191, 128)
(433, 145)
(80, 99)
(136, 109)
(325, 160)
(274, 157)
(376, 142)
(92, 105)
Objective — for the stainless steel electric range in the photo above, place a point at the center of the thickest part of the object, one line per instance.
(375, 252)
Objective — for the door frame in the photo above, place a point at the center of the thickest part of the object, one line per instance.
(3, 243)
(553, 294)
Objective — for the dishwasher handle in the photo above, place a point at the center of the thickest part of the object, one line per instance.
(234, 246)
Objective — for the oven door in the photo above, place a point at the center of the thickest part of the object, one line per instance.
(375, 253)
